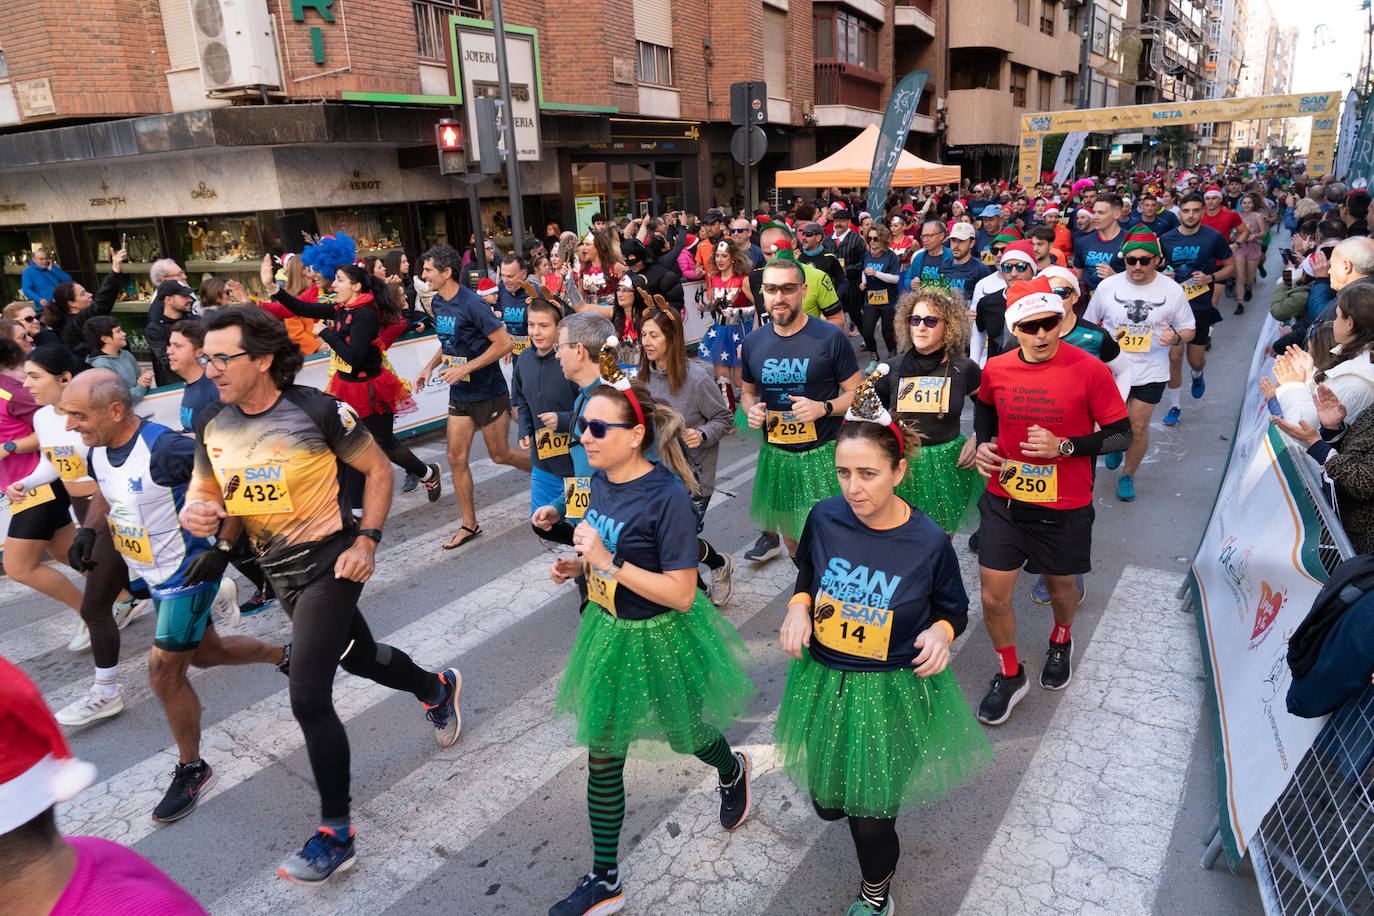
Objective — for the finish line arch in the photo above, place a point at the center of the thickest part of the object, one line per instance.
(1322, 107)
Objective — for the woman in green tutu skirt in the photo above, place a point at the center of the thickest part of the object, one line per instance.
(925, 391)
(653, 662)
(872, 720)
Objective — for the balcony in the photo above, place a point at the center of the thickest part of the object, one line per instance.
(982, 116)
(971, 26)
(839, 83)
(915, 14)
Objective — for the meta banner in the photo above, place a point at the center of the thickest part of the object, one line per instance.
(1322, 107)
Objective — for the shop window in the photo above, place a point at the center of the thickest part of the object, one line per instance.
(655, 64)
(141, 242)
(375, 230)
(1019, 77)
(17, 247)
(431, 28)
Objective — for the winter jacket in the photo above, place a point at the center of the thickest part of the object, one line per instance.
(125, 366)
(1351, 381)
(704, 409)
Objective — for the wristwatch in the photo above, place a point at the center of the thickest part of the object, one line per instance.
(1065, 448)
(617, 564)
(374, 533)
(11, 447)
(224, 544)
(829, 407)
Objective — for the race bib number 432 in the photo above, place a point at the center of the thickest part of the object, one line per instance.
(256, 490)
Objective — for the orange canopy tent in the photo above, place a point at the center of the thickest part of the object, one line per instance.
(850, 168)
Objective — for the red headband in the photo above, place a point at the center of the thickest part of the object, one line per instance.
(634, 403)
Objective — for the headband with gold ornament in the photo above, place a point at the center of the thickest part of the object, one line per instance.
(613, 375)
(867, 407)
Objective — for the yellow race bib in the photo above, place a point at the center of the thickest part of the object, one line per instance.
(69, 464)
(36, 497)
(601, 589)
(577, 493)
(989, 258)
(453, 362)
(1193, 290)
(852, 628)
(877, 297)
(519, 344)
(256, 490)
(923, 394)
(1137, 338)
(549, 444)
(1030, 483)
(132, 542)
(783, 428)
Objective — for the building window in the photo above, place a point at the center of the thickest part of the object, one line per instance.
(431, 28)
(1075, 23)
(1048, 13)
(655, 64)
(1019, 77)
(844, 37)
(1023, 8)
(1071, 89)
(1044, 100)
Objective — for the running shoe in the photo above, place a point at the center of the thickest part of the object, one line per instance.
(284, 666)
(1125, 488)
(410, 483)
(723, 582)
(1058, 670)
(862, 907)
(1171, 417)
(1113, 460)
(1262, 271)
(1240, 306)
(593, 896)
(444, 715)
(81, 639)
(322, 856)
(125, 611)
(94, 705)
(261, 600)
(872, 366)
(735, 798)
(973, 542)
(1040, 593)
(224, 610)
(768, 546)
(189, 782)
(1002, 696)
(434, 487)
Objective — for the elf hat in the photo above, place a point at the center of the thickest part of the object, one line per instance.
(1031, 297)
(36, 769)
(1141, 238)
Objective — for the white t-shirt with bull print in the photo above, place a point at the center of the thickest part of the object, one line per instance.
(1142, 312)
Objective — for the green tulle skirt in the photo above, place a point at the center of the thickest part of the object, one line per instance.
(788, 484)
(935, 484)
(876, 743)
(673, 681)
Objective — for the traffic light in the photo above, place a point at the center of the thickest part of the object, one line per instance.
(448, 141)
(491, 131)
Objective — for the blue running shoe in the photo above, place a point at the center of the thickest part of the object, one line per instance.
(592, 897)
(1113, 460)
(1171, 418)
(1125, 488)
(322, 856)
(1040, 593)
(264, 599)
(411, 482)
(444, 715)
(862, 907)
(1199, 386)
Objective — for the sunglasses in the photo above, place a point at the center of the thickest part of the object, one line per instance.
(929, 321)
(599, 427)
(786, 289)
(1137, 262)
(997, 251)
(1014, 267)
(744, 231)
(1043, 324)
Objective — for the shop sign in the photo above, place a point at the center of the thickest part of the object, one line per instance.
(12, 206)
(322, 9)
(476, 66)
(201, 192)
(359, 183)
(35, 98)
(107, 199)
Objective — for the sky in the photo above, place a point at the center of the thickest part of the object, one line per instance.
(1331, 66)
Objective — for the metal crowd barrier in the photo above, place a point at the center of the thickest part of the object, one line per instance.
(1314, 850)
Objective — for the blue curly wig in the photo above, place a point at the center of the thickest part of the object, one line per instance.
(330, 254)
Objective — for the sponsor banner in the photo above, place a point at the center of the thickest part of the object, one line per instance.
(1361, 173)
(901, 108)
(1068, 155)
(1253, 579)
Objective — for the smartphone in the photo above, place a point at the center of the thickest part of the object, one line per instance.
(1289, 257)
(124, 241)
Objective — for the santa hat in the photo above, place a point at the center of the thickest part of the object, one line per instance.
(1142, 238)
(1031, 297)
(1212, 191)
(691, 242)
(486, 287)
(1052, 211)
(1063, 273)
(36, 769)
(1019, 251)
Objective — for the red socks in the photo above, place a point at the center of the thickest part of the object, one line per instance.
(1060, 634)
(1007, 663)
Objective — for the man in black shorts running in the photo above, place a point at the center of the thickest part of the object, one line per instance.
(1036, 417)
(268, 461)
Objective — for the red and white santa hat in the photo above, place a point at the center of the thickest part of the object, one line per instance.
(1031, 297)
(486, 286)
(1212, 191)
(36, 769)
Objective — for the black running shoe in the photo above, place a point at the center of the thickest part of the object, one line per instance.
(260, 601)
(593, 896)
(189, 782)
(768, 546)
(734, 798)
(1058, 670)
(284, 666)
(410, 483)
(1002, 697)
(973, 542)
(434, 487)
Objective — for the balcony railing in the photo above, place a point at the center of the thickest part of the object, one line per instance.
(839, 83)
(925, 6)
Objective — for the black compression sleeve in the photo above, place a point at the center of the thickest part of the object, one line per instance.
(806, 575)
(984, 421)
(1114, 437)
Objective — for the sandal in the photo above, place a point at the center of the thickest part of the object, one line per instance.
(471, 533)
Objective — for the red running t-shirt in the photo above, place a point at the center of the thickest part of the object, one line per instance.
(1068, 394)
(1226, 221)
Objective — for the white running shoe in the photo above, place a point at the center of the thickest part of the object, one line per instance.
(82, 638)
(94, 705)
(126, 611)
(224, 610)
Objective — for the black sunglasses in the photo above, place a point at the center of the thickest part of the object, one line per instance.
(1015, 266)
(1048, 323)
(599, 427)
(929, 321)
(1136, 262)
(997, 251)
(744, 231)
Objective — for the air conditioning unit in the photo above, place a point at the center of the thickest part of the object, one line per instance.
(235, 44)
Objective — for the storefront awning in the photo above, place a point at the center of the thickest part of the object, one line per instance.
(850, 168)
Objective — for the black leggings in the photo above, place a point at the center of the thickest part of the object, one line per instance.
(381, 426)
(875, 840)
(871, 316)
(103, 585)
(328, 630)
